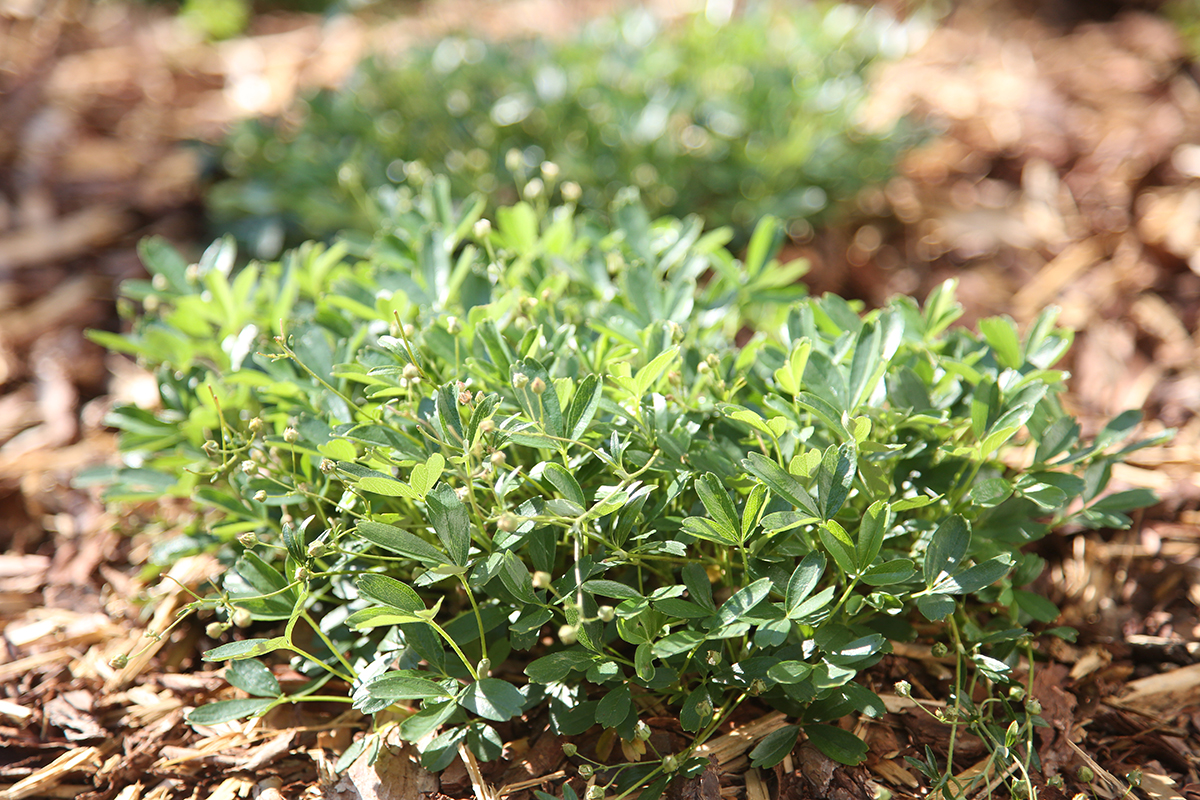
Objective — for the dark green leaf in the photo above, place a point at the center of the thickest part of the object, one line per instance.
(697, 709)
(946, 548)
(253, 677)
(427, 720)
(718, 505)
(492, 698)
(780, 482)
(935, 606)
(839, 545)
(450, 521)
(404, 687)
(890, 572)
(775, 747)
(229, 710)
(584, 405)
(699, 587)
(390, 592)
(840, 745)
(835, 477)
(871, 530)
(400, 541)
(614, 707)
(742, 601)
(803, 580)
(247, 648)
(606, 588)
(555, 667)
(789, 672)
(976, 577)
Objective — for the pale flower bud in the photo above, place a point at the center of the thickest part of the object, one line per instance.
(482, 228)
(242, 617)
(568, 634)
(541, 579)
(571, 191)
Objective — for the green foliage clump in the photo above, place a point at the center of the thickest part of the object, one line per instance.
(474, 471)
(734, 120)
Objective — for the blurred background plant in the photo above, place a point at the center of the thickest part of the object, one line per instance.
(732, 116)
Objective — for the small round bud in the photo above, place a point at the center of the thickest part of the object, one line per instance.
(256, 425)
(487, 426)
(534, 188)
(520, 380)
(641, 731)
(159, 282)
(291, 435)
(327, 465)
(570, 750)
(568, 634)
(118, 661)
(670, 763)
(151, 303)
(903, 689)
(606, 613)
(939, 650)
(571, 191)
(453, 325)
(1016, 692)
(594, 793)
(484, 667)
(249, 467)
(1086, 775)
(411, 371)
(498, 458)
(1032, 706)
(242, 617)
(537, 386)
(214, 630)
(508, 522)
(248, 540)
(550, 170)
(586, 771)
(1134, 776)
(482, 228)
(261, 495)
(703, 368)
(541, 579)
(302, 573)
(704, 708)
(317, 549)
(513, 160)
(192, 273)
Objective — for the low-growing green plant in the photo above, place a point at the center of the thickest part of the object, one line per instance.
(732, 119)
(473, 471)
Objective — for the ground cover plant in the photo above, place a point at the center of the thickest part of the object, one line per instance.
(736, 118)
(470, 471)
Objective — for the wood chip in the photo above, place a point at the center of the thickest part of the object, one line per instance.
(726, 748)
(48, 777)
(1174, 689)
(65, 238)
